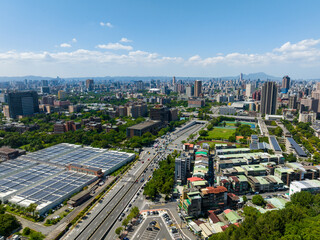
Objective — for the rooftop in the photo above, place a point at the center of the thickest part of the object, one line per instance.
(215, 190)
(143, 125)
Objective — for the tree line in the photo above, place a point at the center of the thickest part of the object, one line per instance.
(298, 220)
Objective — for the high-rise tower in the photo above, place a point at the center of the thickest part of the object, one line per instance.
(269, 98)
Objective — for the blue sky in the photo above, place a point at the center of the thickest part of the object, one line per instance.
(159, 38)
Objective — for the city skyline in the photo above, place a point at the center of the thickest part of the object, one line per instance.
(159, 39)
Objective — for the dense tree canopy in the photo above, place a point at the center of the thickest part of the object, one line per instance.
(298, 220)
(8, 223)
(163, 178)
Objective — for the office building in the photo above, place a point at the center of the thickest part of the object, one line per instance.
(139, 85)
(180, 175)
(174, 80)
(89, 84)
(23, 103)
(144, 127)
(62, 95)
(189, 91)
(197, 88)
(285, 84)
(249, 90)
(269, 98)
(307, 117)
(159, 112)
(197, 103)
(293, 102)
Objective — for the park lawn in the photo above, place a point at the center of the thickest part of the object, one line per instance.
(220, 133)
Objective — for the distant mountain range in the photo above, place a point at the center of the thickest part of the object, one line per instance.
(252, 76)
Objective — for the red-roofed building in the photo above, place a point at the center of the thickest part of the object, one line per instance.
(194, 179)
(224, 227)
(233, 201)
(214, 197)
(213, 218)
(188, 146)
(227, 211)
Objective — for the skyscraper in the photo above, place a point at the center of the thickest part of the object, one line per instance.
(89, 84)
(269, 98)
(173, 80)
(197, 88)
(249, 90)
(23, 103)
(293, 102)
(189, 91)
(285, 84)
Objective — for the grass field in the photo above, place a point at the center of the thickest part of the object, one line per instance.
(220, 133)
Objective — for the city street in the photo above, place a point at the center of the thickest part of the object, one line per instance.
(101, 220)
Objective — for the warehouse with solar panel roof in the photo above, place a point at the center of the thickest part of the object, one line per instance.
(52, 175)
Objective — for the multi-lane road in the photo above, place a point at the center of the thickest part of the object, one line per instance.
(97, 224)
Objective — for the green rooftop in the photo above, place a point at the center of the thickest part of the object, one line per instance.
(262, 181)
(242, 178)
(201, 152)
(233, 217)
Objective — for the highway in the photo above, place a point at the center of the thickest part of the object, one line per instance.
(98, 224)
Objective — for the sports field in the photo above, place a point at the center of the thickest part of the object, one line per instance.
(220, 133)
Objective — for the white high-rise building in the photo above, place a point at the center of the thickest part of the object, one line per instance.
(249, 90)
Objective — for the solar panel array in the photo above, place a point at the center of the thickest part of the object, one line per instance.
(41, 177)
(56, 188)
(78, 156)
(26, 178)
(107, 160)
(296, 147)
(10, 166)
(52, 152)
(275, 144)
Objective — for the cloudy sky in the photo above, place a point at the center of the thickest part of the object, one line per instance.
(206, 38)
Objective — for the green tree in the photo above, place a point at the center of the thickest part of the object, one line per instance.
(36, 236)
(118, 230)
(125, 222)
(8, 223)
(210, 127)
(258, 200)
(232, 139)
(203, 133)
(290, 157)
(278, 131)
(26, 231)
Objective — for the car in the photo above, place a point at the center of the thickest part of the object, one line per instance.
(123, 214)
(130, 205)
(156, 228)
(120, 219)
(142, 162)
(149, 229)
(148, 213)
(138, 194)
(148, 159)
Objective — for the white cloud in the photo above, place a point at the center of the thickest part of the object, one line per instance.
(114, 46)
(300, 46)
(106, 24)
(126, 40)
(300, 58)
(74, 40)
(65, 45)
